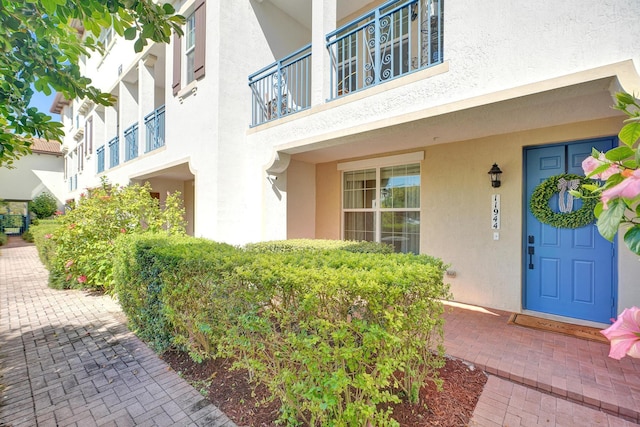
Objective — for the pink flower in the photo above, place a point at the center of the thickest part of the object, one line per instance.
(48, 236)
(122, 230)
(629, 189)
(69, 264)
(56, 213)
(612, 170)
(624, 334)
(72, 226)
(82, 279)
(591, 163)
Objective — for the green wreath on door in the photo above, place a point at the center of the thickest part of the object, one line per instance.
(561, 185)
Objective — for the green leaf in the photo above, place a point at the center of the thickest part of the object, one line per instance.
(630, 133)
(624, 98)
(130, 33)
(603, 167)
(49, 6)
(591, 187)
(139, 45)
(632, 239)
(598, 209)
(168, 9)
(609, 219)
(619, 153)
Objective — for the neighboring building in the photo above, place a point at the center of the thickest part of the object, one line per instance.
(33, 174)
(379, 121)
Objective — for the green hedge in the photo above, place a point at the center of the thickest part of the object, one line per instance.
(163, 285)
(42, 233)
(320, 245)
(338, 334)
(334, 333)
(3, 239)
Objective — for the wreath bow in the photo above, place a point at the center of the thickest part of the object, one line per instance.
(566, 202)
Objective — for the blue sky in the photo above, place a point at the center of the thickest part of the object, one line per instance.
(43, 103)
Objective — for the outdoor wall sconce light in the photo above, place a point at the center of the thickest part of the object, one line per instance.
(495, 173)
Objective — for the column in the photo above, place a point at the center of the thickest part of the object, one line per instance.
(323, 22)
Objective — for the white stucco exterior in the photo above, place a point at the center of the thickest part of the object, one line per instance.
(513, 75)
(33, 175)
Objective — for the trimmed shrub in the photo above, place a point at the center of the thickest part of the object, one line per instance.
(27, 236)
(43, 205)
(320, 245)
(42, 233)
(3, 239)
(138, 284)
(171, 289)
(336, 335)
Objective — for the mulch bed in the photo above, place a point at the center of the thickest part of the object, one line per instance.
(244, 404)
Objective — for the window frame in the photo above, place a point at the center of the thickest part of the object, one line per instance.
(181, 50)
(378, 164)
(190, 41)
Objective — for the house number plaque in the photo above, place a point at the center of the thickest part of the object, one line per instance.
(495, 212)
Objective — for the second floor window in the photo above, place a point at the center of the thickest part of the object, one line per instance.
(191, 47)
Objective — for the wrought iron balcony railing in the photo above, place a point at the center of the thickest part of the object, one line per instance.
(281, 88)
(114, 152)
(395, 39)
(154, 123)
(131, 142)
(100, 159)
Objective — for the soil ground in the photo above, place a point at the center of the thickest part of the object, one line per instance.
(241, 401)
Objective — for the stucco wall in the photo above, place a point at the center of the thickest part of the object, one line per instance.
(485, 52)
(329, 201)
(301, 200)
(456, 213)
(31, 175)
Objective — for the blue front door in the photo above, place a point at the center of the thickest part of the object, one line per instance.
(568, 272)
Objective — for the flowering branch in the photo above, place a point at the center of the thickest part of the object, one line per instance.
(619, 206)
(619, 195)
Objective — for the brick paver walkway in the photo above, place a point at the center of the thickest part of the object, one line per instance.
(542, 378)
(68, 359)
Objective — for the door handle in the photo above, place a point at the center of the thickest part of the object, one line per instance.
(531, 250)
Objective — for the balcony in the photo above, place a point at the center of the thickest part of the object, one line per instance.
(100, 159)
(114, 152)
(398, 38)
(154, 123)
(281, 88)
(131, 143)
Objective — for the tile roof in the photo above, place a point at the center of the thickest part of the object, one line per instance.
(41, 145)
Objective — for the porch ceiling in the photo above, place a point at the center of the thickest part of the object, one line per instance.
(586, 101)
(300, 10)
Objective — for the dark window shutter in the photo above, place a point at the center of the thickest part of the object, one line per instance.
(177, 63)
(201, 36)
